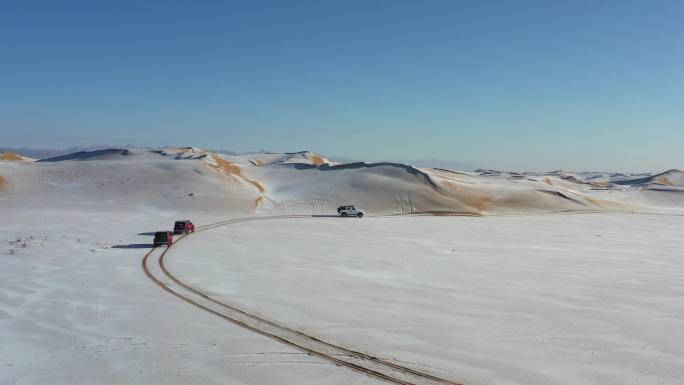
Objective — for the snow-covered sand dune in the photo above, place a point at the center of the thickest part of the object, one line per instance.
(308, 183)
(555, 278)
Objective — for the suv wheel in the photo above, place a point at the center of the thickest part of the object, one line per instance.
(360, 215)
(344, 214)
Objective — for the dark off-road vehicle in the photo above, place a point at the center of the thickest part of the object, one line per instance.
(183, 227)
(163, 238)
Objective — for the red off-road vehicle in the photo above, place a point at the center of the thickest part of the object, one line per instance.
(163, 238)
(183, 227)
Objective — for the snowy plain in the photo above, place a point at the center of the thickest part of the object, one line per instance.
(76, 308)
(543, 299)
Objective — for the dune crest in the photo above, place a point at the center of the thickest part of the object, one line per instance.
(13, 157)
(215, 163)
(289, 158)
(107, 154)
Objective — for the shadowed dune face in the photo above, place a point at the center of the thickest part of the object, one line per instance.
(108, 154)
(184, 152)
(670, 178)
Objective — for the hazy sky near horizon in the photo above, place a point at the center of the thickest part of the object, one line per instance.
(524, 85)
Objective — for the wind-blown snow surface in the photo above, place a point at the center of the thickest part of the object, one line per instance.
(561, 298)
(76, 308)
(548, 299)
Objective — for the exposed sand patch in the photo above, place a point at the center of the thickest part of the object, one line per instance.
(11, 156)
(233, 169)
(600, 184)
(471, 197)
(663, 181)
(317, 159)
(257, 202)
(3, 183)
(485, 199)
(610, 205)
(225, 165)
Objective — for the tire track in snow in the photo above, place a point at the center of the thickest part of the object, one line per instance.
(336, 354)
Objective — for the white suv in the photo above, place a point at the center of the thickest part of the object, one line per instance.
(349, 210)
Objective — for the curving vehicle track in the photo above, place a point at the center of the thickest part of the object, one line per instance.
(154, 266)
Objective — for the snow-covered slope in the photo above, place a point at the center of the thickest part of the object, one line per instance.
(125, 180)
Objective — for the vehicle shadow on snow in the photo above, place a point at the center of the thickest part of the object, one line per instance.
(325, 216)
(149, 233)
(134, 246)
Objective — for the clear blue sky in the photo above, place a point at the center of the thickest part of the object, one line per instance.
(534, 85)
